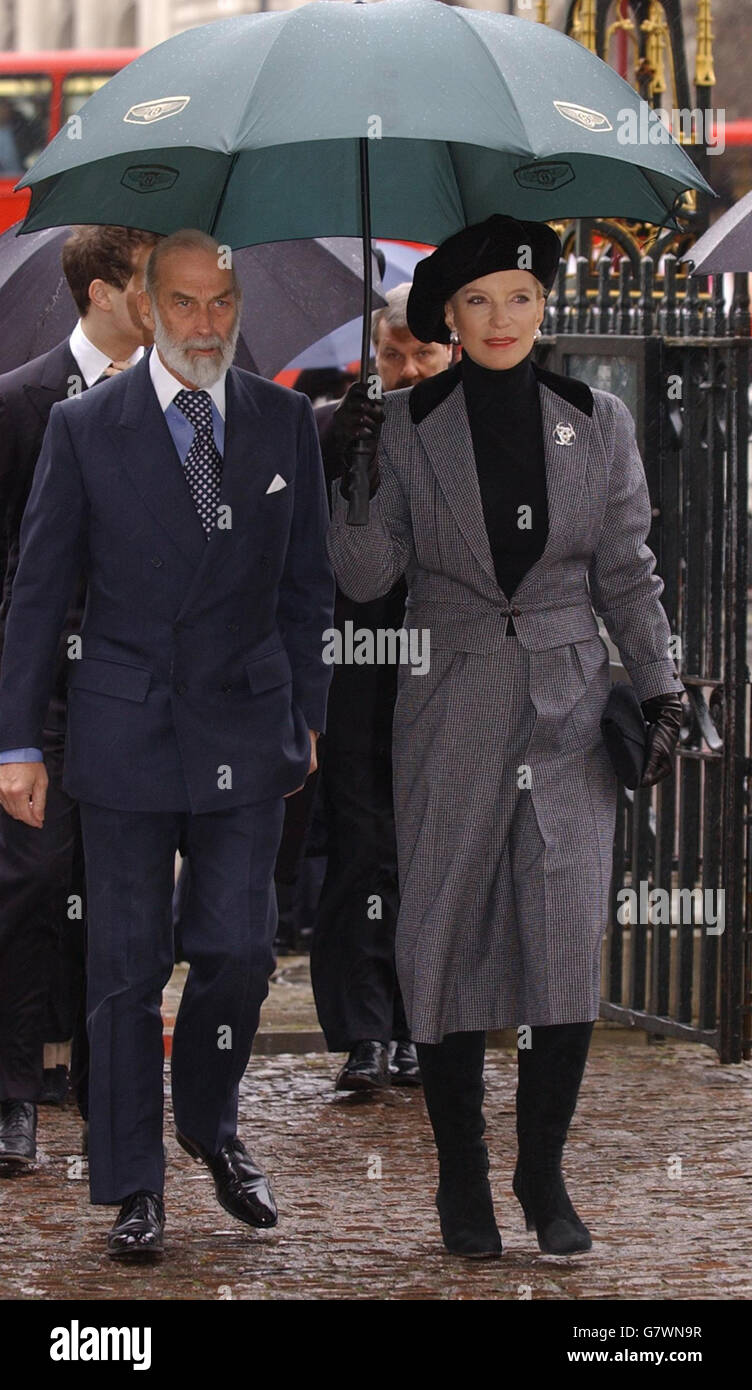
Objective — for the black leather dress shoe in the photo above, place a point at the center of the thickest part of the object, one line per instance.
(138, 1232)
(403, 1064)
(366, 1069)
(242, 1187)
(18, 1132)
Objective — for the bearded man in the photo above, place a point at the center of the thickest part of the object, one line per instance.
(192, 496)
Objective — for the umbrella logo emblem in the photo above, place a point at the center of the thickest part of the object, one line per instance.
(149, 178)
(583, 115)
(145, 112)
(564, 433)
(544, 176)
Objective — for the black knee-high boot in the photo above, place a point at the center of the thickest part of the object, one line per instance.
(452, 1073)
(549, 1076)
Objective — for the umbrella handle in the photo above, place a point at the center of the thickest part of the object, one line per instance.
(359, 453)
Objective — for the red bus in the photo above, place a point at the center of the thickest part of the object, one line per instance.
(38, 92)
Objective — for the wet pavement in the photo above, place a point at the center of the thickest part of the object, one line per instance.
(659, 1165)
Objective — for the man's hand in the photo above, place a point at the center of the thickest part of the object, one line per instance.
(314, 760)
(23, 792)
(358, 418)
(313, 764)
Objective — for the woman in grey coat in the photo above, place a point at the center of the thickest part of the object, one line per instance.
(514, 501)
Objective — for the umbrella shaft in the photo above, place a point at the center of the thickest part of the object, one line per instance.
(365, 224)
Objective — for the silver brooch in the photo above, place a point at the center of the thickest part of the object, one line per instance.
(564, 433)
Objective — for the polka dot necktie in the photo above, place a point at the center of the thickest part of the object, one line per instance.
(203, 464)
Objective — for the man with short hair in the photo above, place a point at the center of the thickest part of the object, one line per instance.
(353, 970)
(194, 494)
(400, 359)
(41, 872)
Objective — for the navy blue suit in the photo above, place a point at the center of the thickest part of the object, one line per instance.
(189, 707)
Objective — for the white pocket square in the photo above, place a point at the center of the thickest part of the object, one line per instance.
(276, 483)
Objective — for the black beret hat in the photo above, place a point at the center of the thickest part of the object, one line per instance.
(478, 250)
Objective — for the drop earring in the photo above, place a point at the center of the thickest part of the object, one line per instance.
(537, 334)
(454, 336)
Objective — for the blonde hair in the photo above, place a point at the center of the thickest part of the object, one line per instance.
(540, 292)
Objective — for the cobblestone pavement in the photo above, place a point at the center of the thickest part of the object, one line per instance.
(659, 1164)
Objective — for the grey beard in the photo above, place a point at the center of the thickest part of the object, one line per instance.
(199, 371)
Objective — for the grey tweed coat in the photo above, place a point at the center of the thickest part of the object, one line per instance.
(503, 789)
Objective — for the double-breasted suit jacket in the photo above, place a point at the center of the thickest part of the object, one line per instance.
(504, 792)
(201, 667)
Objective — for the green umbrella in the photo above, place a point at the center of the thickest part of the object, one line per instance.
(401, 119)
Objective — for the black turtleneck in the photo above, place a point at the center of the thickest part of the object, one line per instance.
(503, 408)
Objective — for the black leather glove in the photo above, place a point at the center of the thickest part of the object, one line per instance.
(664, 714)
(358, 418)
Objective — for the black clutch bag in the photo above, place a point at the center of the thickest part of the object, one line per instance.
(624, 733)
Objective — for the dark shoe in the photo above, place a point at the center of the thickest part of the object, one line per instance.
(452, 1073)
(138, 1232)
(54, 1086)
(366, 1069)
(403, 1064)
(18, 1132)
(242, 1187)
(550, 1073)
(549, 1212)
(467, 1218)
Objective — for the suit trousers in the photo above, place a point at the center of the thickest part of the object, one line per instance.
(353, 970)
(228, 923)
(41, 943)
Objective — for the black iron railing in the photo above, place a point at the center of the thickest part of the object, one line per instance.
(680, 963)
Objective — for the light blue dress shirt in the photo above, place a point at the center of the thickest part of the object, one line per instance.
(181, 430)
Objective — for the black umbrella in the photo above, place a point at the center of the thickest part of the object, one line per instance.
(294, 292)
(727, 245)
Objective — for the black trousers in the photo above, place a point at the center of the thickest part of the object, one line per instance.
(352, 953)
(42, 972)
(228, 921)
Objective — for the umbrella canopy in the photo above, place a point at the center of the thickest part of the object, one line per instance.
(293, 293)
(250, 128)
(727, 245)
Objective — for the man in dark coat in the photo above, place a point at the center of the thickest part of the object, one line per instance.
(193, 494)
(41, 872)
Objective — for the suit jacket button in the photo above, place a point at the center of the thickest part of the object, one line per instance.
(515, 611)
(181, 688)
(157, 563)
(233, 627)
(226, 689)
